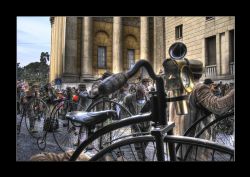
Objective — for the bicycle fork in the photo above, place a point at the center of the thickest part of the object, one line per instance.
(158, 133)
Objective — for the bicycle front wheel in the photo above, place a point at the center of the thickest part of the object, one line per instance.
(196, 149)
(112, 136)
(141, 148)
(66, 133)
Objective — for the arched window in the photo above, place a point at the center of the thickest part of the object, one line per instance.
(131, 47)
(102, 43)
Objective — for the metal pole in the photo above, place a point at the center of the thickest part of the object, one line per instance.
(159, 144)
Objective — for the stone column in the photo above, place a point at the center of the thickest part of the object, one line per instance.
(225, 60)
(203, 52)
(60, 30)
(144, 49)
(56, 48)
(203, 57)
(166, 37)
(159, 48)
(87, 45)
(225, 53)
(53, 55)
(218, 54)
(70, 62)
(51, 50)
(63, 43)
(117, 45)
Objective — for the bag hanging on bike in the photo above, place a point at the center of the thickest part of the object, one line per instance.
(50, 125)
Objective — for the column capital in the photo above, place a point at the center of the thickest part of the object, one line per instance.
(70, 59)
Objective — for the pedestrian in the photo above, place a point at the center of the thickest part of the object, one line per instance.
(135, 102)
(138, 103)
(83, 97)
(203, 102)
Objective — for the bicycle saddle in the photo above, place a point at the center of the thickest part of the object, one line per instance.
(90, 118)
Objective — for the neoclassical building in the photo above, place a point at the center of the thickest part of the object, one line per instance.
(83, 48)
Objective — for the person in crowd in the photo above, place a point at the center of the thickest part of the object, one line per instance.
(135, 103)
(203, 102)
(138, 103)
(83, 96)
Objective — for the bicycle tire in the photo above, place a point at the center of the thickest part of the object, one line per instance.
(208, 150)
(209, 125)
(113, 126)
(64, 132)
(120, 150)
(109, 137)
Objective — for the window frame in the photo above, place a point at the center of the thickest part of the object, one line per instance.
(129, 66)
(179, 32)
(208, 18)
(105, 57)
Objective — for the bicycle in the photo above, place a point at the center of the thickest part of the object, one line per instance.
(34, 112)
(86, 127)
(69, 133)
(56, 121)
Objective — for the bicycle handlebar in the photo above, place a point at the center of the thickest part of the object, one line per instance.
(112, 83)
(116, 81)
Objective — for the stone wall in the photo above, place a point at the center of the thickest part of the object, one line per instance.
(195, 29)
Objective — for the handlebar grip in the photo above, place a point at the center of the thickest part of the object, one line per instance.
(112, 83)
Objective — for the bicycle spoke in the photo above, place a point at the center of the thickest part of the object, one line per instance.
(132, 151)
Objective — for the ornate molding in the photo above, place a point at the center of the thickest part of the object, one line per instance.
(127, 21)
(131, 21)
(103, 19)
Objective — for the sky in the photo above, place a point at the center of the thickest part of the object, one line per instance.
(33, 37)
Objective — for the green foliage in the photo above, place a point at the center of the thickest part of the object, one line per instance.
(19, 71)
(35, 71)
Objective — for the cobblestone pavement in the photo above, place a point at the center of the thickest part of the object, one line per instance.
(26, 145)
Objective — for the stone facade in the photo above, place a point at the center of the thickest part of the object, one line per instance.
(196, 30)
(75, 42)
